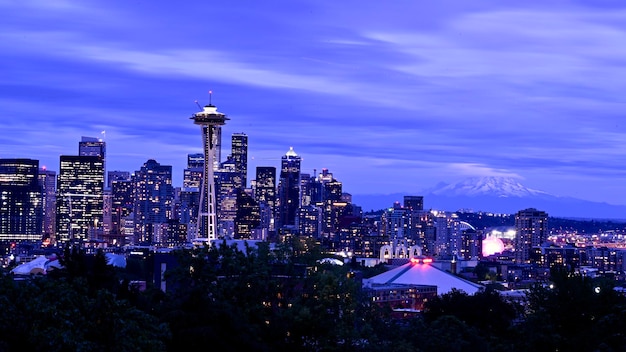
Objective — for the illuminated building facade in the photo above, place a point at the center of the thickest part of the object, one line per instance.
(531, 230)
(121, 204)
(113, 176)
(48, 183)
(152, 199)
(20, 200)
(265, 188)
(239, 155)
(248, 215)
(310, 221)
(90, 146)
(80, 187)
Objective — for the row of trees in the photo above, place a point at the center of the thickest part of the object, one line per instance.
(265, 300)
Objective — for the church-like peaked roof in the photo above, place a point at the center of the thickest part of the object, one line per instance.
(421, 272)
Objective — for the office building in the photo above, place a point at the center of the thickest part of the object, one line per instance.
(117, 175)
(248, 215)
(48, 183)
(239, 155)
(121, 208)
(288, 189)
(80, 187)
(21, 200)
(90, 146)
(265, 193)
(152, 199)
(414, 203)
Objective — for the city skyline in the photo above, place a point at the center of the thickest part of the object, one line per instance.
(389, 97)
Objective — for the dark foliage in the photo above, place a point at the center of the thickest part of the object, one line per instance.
(283, 299)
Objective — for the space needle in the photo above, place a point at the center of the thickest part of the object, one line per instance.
(210, 121)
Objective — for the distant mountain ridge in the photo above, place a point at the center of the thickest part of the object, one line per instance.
(486, 186)
(497, 195)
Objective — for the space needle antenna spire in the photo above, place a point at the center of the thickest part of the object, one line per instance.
(210, 122)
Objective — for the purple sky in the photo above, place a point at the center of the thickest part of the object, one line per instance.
(389, 96)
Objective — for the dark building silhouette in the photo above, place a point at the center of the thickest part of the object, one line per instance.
(288, 189)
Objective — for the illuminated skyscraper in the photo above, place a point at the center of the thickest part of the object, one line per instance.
(288, 189)
(153, 196)
(90, 146)
(210, 122)
(121, 205)
(80, 189)
(265, 194)
(531, 230)
(248, 216)
(20, 208)
(48, 183)
(239, 154)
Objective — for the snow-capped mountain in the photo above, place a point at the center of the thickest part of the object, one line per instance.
(499, 195)
(486, 186)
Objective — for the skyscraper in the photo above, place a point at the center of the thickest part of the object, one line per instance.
(414, 203)
(21, 205)
(121, 205)
(265, 185)
(531, 230)
(248, 216)
(80, 188)
(210, 122)
(288, 189)
(265, 194)
(113, 176)
(153, 195)
(48, 183)
(90, 146)
(239, 154)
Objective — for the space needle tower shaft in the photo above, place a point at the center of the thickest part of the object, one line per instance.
(210, 122)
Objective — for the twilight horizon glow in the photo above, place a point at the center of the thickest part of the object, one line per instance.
(389, 97)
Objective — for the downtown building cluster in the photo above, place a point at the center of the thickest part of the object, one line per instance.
(85, 204)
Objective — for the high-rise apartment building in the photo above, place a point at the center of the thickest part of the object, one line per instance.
(21, 205)
(80, 187)
(48, 183)
(531, 230)
(288, 189)
(153, 195)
